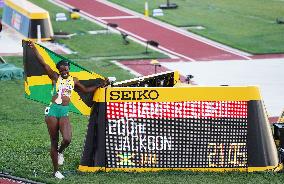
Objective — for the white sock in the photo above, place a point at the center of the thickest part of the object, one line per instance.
(58, 175)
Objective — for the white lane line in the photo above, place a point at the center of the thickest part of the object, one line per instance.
(126, 68)
(181, 31)
(177, 54)
(154, 48)
(84, 14)
(119, 17)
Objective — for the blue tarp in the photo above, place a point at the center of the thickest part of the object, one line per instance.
(9, 71)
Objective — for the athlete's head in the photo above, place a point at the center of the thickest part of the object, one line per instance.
(63, 68)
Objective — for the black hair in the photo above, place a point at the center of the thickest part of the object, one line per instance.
(62, 62)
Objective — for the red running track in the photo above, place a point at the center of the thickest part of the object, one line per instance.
(96, 8)
(185, 47)
(9, 181)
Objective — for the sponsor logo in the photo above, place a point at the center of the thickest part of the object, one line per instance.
(131, 159)
(126, 159)
(134, 95)
(16, 21)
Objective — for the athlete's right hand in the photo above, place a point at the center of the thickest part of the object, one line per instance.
(31, 44)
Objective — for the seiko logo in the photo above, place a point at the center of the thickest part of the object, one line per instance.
(134, 95)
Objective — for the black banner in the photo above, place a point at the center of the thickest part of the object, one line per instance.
(175, 142)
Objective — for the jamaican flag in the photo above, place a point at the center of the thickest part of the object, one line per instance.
(38, 86)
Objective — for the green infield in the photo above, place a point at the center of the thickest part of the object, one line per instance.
(107, 46)
(246, 25)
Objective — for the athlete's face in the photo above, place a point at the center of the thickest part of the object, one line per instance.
(64, 71)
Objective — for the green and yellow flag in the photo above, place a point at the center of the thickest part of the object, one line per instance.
(38, 86)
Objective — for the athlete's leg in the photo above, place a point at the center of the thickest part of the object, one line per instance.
(53, 127)
(66, 131)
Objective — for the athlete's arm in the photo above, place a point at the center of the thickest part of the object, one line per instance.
(51, 74)
(88, 89)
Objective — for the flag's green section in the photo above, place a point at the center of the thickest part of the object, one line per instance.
(40, 93)
(56, 58)
(72, 108)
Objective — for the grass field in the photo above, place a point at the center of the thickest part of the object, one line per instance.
(107, 45)
(245, 25)
(24, 148)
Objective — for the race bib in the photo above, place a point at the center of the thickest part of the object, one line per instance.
(46, 111)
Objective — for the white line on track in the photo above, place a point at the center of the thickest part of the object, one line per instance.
(119, 17)
(126, 68)
(160, 47)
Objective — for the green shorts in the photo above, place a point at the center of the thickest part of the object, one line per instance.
(57, 110)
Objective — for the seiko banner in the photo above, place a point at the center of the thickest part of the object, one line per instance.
(192, 128)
